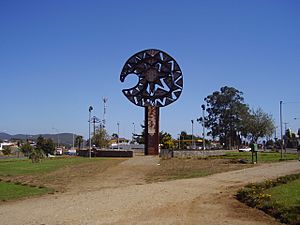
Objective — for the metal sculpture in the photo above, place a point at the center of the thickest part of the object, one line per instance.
(160, 84)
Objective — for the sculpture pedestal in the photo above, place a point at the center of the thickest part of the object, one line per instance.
(151, 130)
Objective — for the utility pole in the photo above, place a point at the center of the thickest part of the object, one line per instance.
(94, 121)
(193, 144)
(203, 126)
(282, 141)
(104, 99)
(90, 142)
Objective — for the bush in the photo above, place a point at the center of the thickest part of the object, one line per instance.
(36, 155)
(26, 149)
(6, 150)
(253, 195)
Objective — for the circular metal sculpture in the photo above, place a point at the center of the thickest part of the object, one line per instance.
(160, 83)
(160, 78)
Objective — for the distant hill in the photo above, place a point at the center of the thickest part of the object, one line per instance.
(64, 138)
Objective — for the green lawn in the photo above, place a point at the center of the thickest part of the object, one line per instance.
(13, 167)
(286, 195)
(10, 191)
(261, 156)
(285, 199)
(20, 177)
(279, 197)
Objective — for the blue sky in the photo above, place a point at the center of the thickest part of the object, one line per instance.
(59, 57)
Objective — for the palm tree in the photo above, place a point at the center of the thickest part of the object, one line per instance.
(78, 141)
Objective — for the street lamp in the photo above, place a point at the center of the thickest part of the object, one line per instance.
(90, 142)
(118, 124)
(203, 126)
(193, 145)
(281, 134)
(179, 141)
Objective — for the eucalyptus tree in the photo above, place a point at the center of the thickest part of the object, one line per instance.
(226, 110)
(258, 124)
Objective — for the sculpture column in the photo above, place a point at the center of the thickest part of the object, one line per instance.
(151, 130)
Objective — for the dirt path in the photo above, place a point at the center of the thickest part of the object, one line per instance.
(121, 197)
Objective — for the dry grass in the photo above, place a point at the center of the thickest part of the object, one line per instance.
(60, 179)
(176, 168)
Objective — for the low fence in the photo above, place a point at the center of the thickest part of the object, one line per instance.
(106, 153)
(196, 153)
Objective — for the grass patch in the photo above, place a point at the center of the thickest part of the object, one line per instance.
(287, 195)
(11, 191)
(279, 198)
(26, 167)
(56, 174)
(263, 157)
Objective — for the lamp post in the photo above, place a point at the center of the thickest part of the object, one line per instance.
(118, 124)
(179, 141)
(281, 135)
(203, 126)
(193, 144)
(90, 142)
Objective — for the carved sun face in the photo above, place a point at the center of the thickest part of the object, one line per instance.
(151, 75)
(160, 78)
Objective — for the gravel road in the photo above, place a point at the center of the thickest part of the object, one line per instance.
(116, 197)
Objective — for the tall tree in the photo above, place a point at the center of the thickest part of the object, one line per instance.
(258, 124)
(290, 139)
(46, 145)
(100, 138)
(225, 110)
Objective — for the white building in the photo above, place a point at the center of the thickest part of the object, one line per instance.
(5, 144)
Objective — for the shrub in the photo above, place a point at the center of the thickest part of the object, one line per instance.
(36, 155)
(253, 195)
(6, 150)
